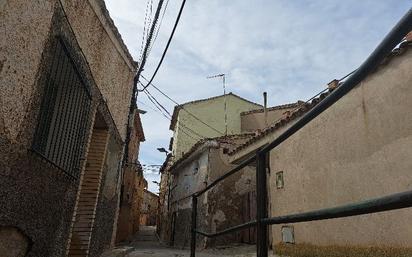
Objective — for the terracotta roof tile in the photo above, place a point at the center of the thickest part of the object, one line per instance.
(221, 139)
(278, 107)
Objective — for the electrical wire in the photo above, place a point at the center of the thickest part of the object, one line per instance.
(164, 109)
(144, 30)
(167, 45)
(158, 27)
(184, 128)
(181, 106)
(146, 48)
(313, 97)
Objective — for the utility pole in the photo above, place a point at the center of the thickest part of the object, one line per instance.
(223, 76)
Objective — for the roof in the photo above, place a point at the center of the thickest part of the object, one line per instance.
(201, 142)
(151, 193)
(278, 107)
(304, 107)
(179, 107)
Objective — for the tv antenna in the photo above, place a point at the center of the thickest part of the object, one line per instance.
(223, 76)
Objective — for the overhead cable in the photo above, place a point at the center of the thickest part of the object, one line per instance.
(167, 46)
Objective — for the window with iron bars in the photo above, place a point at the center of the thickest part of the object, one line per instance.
(64, 113)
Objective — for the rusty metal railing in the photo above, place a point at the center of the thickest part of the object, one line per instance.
(389, 202)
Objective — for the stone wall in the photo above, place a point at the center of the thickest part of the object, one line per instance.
(358, 149)
(37, 198)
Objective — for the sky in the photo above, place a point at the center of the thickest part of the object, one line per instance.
(290, 49)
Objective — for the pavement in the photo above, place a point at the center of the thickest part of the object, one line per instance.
(146, 244)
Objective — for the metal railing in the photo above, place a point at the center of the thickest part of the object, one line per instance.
(389, 202)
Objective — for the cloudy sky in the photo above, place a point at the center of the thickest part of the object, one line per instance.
(291, 49)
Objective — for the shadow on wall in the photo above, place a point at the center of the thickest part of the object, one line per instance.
(13, 242)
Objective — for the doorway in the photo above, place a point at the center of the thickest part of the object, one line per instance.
(85, 210)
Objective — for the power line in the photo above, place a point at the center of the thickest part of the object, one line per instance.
(181, 106)
(167, 45)
(169, 118)
(160, 24)
(144, 29)
(146, 48)
(160, 107)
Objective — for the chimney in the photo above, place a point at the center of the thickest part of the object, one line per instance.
(333, 84)
(265, 111)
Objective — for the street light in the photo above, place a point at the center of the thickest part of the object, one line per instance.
(163, 150)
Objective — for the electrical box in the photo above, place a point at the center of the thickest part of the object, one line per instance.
(288, 234)
(279, 180)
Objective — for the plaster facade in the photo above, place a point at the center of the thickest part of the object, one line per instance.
(36, 197)
(357, 149)
(210, 111)
(219, 208)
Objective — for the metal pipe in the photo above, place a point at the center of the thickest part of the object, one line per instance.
(384, 48)
(193, 228)
(262, 212)
(386, 203)
(228, 230)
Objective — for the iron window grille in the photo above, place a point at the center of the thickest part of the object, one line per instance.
(64, 113)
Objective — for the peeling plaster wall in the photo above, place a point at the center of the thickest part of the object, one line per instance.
(218, 208)
(225, 201)
(359, 148)
(189, 178)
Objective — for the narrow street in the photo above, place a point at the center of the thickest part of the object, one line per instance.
(146, 244)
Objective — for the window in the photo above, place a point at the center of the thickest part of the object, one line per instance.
(64, 113)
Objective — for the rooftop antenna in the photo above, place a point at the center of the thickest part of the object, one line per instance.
(223, 76)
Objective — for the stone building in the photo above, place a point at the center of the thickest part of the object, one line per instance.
(149, 208)
(133, 185)
(66, 79)
(357, 149)
(190, 123)
(226, 205)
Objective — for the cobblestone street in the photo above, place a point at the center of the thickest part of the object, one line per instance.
(146, 244)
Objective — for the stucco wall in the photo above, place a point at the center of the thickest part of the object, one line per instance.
(225, 201)
(36, 197)
(218, 208)
(103, 56)
(358, 149)
(212, 113)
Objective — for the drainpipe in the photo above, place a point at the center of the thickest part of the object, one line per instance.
(265, 111)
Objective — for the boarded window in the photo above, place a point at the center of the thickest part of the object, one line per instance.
(64, 113)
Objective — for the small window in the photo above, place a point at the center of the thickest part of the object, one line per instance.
(279, 180)
(64, 113)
